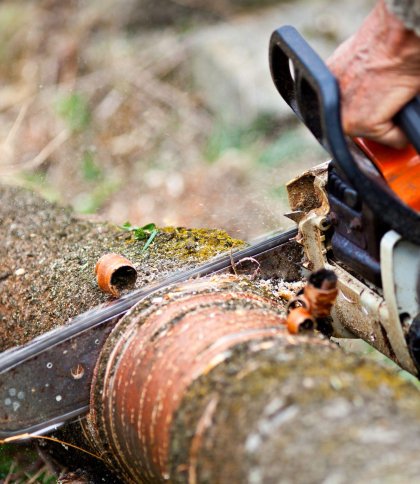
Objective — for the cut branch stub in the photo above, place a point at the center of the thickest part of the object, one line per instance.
(115, 273)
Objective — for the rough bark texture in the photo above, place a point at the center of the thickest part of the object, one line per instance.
(296, 412)
(244, 401)
(202, 383)
(48, 256)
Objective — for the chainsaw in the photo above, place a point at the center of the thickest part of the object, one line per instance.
(355, 215)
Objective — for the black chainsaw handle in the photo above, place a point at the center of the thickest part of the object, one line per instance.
(313, 93)
(408, 119)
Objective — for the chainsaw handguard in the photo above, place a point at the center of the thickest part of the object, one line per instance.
(310, 89)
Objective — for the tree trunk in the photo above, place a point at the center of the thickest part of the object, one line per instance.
(202, 383)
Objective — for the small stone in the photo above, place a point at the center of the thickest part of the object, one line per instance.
(20, 272)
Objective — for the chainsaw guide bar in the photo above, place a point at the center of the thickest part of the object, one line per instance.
(47, 381)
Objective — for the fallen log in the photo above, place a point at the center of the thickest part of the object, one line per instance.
(202, 383)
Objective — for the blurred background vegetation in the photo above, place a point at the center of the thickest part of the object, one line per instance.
(156, 111)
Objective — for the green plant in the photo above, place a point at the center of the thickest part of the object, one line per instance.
(148, 232)
(74, 109)
(289, 145)
(221, 139)
(91, 201)
(279, 191)
(38, 181)
(17, 465)
(90, 170)
(225, 136)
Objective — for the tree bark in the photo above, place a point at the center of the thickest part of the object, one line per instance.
(202, 383)
(188, 391)
(48, 257)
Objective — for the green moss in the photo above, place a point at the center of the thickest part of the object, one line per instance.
(202, 244)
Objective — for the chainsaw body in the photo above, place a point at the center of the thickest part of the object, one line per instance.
(357, 215)
(381, 315)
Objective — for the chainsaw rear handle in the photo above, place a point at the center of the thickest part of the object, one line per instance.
(310, 89)
(408, 119)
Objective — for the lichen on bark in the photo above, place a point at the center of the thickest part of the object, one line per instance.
(302, 413)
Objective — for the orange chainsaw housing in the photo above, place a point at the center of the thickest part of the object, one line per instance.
(400, 168)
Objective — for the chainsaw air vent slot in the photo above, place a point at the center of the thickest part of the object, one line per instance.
(357, 231)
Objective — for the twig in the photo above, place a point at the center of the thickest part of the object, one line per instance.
(236, 264)
(17, 124)
(10, 473)
(232, 263)
(251, 259)
(48, 150)
(34, 478)
(26, 436)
